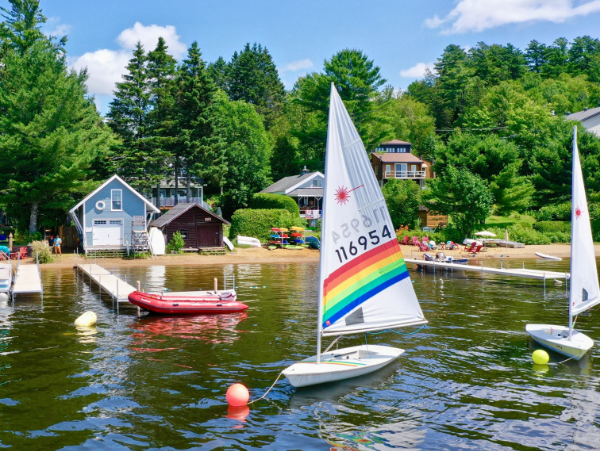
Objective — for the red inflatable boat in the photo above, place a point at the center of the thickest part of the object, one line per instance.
(200, 303)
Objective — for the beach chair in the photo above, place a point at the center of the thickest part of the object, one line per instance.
(23, 252)
(404, 241)
(425, 239)
(423, 247)
(477, 249)
(469, 248)
(414, 240)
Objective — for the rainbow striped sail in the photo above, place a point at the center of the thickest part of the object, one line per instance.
(364, 282)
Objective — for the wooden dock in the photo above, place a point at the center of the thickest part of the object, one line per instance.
(28, 280)
(522, 273)
(118, 289)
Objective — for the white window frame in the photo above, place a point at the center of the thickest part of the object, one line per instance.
(112, 199)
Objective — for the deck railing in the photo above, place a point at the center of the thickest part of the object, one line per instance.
(404, 175)
(170, 201)
(310, 214)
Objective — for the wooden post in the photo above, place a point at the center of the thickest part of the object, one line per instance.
(139, 286)
(216, 284)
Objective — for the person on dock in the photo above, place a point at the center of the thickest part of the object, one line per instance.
(51, 243)
(57, 245)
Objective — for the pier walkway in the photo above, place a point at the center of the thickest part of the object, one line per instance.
(522, 273)
(28, 280)
(118, 289)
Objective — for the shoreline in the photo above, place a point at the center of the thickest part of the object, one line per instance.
(265, 256)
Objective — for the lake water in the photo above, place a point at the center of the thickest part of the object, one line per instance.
(150, 382)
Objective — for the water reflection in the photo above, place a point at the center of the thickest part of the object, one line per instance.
(213, 329)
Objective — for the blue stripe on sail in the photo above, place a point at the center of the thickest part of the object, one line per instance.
(368, 295)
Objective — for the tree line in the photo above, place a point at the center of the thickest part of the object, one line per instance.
(491, 118)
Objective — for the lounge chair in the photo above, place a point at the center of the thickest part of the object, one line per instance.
(478, 248)
(414, 240)
(469, 248)
(404, 241)
(423, 247)
(425, 239)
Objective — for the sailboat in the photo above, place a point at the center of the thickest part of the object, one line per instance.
(364, 284)
(584, 292)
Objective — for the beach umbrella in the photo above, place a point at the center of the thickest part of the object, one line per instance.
(485, 233)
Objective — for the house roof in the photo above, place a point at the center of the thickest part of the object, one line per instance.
(398, 158)
(288, 184)
(584, 115)
(306, 192)
(115, 177)
(180, 209)
(396, 142)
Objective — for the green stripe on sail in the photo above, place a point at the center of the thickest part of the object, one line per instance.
(376, 279)
(332, 303)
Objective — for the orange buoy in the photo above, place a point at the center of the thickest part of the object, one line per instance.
(237, 395)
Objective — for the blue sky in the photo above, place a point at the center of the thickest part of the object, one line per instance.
(401, 36)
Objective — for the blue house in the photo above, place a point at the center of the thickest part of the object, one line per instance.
(114, 217)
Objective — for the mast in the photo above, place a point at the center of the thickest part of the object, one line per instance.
(573, 219)
(323, 228)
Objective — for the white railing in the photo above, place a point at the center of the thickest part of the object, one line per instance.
(404, 175)
(170, 201)
(310, 214)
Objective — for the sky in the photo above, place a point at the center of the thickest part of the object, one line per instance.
(403, 37)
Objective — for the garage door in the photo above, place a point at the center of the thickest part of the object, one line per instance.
(108, 232)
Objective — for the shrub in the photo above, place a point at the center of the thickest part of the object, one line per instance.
(265, 201)
(258, 223)
(555, 212)
(26, 237)
(553, 226)
(43, 251)
(176, 243)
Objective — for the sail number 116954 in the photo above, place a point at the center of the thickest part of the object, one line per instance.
(363, 242)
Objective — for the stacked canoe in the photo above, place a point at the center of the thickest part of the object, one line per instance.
(298, 235)
(279, 236)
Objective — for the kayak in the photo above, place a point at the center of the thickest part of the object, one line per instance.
(188, 303)
(549, 257)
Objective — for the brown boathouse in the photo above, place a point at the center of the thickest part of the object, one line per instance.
(199, 227)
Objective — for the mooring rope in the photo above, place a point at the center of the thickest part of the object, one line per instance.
(267, 392)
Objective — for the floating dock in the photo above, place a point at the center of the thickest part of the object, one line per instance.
(118, 289)
(522, 273)
(28, 279)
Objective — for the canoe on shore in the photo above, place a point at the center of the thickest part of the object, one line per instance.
(548, 257)
(209, 304)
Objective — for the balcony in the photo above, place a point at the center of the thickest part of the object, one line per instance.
(404, 175)
(170, 201)
(310, 214)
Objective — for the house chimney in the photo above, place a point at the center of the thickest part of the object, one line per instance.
(304, 171)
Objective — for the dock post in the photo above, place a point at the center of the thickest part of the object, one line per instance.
(216, 285)
(544, 284)
(139, 286)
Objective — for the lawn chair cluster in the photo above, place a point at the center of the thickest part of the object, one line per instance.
(472, 248)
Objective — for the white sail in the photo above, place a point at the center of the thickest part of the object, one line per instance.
(585, 292)
(365, 284)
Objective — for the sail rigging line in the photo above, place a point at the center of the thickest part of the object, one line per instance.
(424, 326)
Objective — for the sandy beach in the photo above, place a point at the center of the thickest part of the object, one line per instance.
(255, 255)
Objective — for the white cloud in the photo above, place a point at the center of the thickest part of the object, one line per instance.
(148, 36)
(53, 27)
(106, 67)
(417, 71)
(295, 66)
(479, 15)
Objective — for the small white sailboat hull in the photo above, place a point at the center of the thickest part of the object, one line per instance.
(341, 364)
(548, 257)
(556, 338)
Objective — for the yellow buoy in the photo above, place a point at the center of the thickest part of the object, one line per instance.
(540, 357)
(86, 320)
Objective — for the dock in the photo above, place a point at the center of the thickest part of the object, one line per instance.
(116, 288)
(522, 273)
(28, 279)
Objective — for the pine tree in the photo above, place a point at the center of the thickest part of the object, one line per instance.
(128, 117)
(218, 73)
(161, 69)
(253, 77)
(50, 132)
(199, 146)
